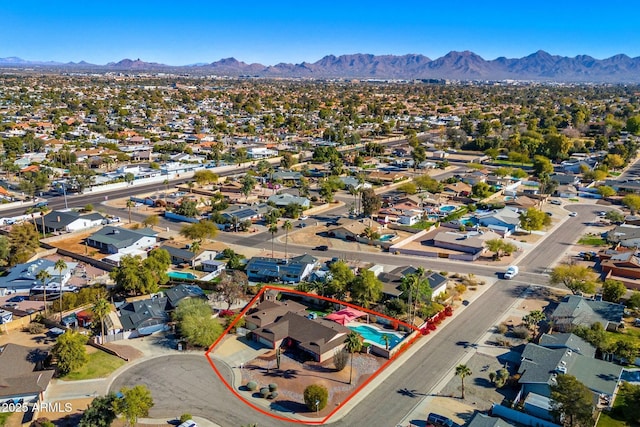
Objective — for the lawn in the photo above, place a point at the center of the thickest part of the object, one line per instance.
(100, 365)
(422, 225)
(509, 163)
(622, 413)
(3, 417)
(592, 240)
(605, 420)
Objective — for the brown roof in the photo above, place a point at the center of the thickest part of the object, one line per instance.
(268, 312)
(317, 336)
(17, 375)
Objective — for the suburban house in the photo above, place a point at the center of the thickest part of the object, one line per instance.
(291, 270)
(351, 229)
(22, 378)
(622, 266)
(473, 178)
(457, 189)
(5, 316)
(624, 185)
(351, 182)
(139, 318)
(385, 177)
(287, 177)
(215, 267)
(473, 244)
(392, 281)
(504, 221)
(625, 235)
(575, 310)
(261, 153)
(183, 254)
(319, 338)
(482, 420)
(540, 366)
(268, 311)
(24, 276)
(112, 240)
(285, 199)
(69, 221)
(180, 292)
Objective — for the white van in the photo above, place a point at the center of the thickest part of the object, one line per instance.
(511, 272)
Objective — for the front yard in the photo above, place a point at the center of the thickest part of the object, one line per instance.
(100, 365)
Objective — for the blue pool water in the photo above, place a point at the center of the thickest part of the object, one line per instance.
(179, 275)
(375, 335)
(386, 237)
(448, 208)
(469, 222)
(631, 375)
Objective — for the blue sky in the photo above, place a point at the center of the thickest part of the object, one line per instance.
(190, 31)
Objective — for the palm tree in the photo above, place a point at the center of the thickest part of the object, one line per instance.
(60, 265)
(195, 248)
(43, 276)
(43, 211)
(354, 192)
(387, 340)
(287, 226)
(353, 344)
(166, 189)
(463, 371)
(273, 229)
(130, 204)
(101, 309)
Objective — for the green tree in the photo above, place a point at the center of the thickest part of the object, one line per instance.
(542, 166)
(135, 403)
(632, 201)
(481, 190)
(463, 371)
(5, 251)
(606, 191)
(341, 277)
(100, 412)
(634, 300)
(408, 188)
(196, 322)
(130, 203)
(70, 352)
(101, 309)
(633, 125)
(23, 241)
(353, 344)
(533, 319)
(371, 202)
(151, 221)
(614, 161)
(135, 276)
(205, 177)
(577, 278)
(60, 266)
(426, 182)
(534, 219)
(625, 350)
(156, 265)
(316, 397)
(188, 208)
(248, 184)
(200, 230)
(273, 229)
(573, 400)
(613, 290)
(500, 247)
(366, 288)
(43, 276)
(286, 226)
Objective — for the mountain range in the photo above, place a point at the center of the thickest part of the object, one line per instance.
(539, 66)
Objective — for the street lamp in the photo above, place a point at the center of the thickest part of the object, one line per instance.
(317, 404)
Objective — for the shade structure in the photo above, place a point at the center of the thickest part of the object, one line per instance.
(345, 315)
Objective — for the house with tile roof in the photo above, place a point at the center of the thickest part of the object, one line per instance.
(575, 310)
(268, 311)
(113, 240)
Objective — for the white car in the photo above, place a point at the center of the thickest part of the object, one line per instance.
(573, 213)
(303, 218)
(511, 272)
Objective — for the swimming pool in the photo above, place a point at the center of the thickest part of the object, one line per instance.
(180, 275)
(448, 208)
(469, 222)
(375, 335)
(386, 237)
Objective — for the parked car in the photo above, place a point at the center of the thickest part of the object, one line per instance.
(511, 272)
(323, 248)
(188, 423)
(303, 217)
(573, 213)
(602, 213)
(41, 204)
(555, 202)
(17, 298)
(439, 420)
(302, 225)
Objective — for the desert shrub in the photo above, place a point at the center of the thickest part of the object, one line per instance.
(273, 387)
(273, 395)
(503, 342)
(252, 385)
(396, 306)
(264, 392)
(316, 393)
(428, 311)
(373, 318)
(340, 359)
(35, 328)
(502, 328)
(444, 273)
(42, 422)
(185, 417)
(460, 288)
(521, 332)
(502, 375)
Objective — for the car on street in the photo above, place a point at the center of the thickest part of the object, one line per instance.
(17, 298)
(573, 213)
(188, 423)
(555, 202)
(511, 272)
(302, 225)
(303, 217)
(602, 213)
(41, 204)
(10, 305)
(322, 248)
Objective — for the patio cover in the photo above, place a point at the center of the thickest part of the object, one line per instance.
(345, 315)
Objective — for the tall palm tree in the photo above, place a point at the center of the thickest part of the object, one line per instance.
(130, 204)
(60, 265)
(354, 192)
(463, 371)
(43, 211)
(101, 309)
(166, 189)
(387, 340)
(273, 229)
(353, 344)
(195, 248)
(43, 276)
(287, 226)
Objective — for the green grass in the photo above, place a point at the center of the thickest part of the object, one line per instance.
(592, 240)
(100, 365)
(422, 225)
(617, 417)
(605, 420)
(614, 173)
(574, 200)
(630, 334)
(514, 164)
(3, 417)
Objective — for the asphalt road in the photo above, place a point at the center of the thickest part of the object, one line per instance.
(188, 384)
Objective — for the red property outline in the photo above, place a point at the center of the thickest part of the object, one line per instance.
(402, 349)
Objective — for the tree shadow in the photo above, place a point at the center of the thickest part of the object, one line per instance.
(289, 406)
(409, 393)
(37, 356)
(287, 374)
(483, 382)
(466, 344)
